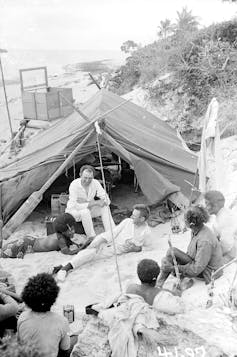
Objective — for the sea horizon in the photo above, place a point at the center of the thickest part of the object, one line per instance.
(54, 60)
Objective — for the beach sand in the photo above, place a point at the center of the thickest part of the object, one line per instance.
(98, 280)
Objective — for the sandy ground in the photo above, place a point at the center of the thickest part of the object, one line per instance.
(98, 280)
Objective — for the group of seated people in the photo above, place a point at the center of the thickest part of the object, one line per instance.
(212, 244)
(30, 314)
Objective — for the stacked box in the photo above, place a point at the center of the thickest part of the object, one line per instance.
(58, 203)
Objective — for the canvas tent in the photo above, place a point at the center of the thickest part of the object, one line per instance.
(150, 145)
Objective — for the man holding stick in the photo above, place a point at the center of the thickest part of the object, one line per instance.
(203, 254)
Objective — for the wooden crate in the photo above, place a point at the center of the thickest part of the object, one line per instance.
(47, 105)
(58, 203)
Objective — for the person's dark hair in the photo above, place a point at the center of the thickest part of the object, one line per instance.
(61, 222)
(40, 292)
(87, 167)
(143, 209)
(148, 271)
(214, 196)
(196, 216)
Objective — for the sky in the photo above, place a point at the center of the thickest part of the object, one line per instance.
(95, 24)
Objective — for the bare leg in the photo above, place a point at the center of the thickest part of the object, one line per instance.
(182, 259)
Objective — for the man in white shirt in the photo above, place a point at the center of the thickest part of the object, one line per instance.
(88, 199)
(223, 223)
(129, 236)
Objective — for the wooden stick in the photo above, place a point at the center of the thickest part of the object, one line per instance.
(211, 293)
(176, 269)
(1, 219)
(94, 81)
(231, 289)
(76, 109)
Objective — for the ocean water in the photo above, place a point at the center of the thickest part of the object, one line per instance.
(55, 60)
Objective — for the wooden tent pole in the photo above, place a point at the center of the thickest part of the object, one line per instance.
(31, 203)
(1, 219)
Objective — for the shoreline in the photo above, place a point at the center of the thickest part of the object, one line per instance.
(75, 77)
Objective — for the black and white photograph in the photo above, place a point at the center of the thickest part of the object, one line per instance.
(118, 178)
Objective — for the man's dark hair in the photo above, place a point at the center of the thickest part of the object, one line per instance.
(87, 167)
(143, 209)
(214, 196)
(148, 271)
(196, 216)
(40, 292)
(61, 222)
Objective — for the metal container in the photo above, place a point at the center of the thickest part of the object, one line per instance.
(68, 312)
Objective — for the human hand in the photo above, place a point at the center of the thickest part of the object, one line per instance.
(177, 290)
(99, 203)
(102, 202)
(129, 246)
(73, 247)
(106, 200)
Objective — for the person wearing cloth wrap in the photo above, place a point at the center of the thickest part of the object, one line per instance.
(61, 240)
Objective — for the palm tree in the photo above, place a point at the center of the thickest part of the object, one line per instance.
(165, 28)
(186, 21)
